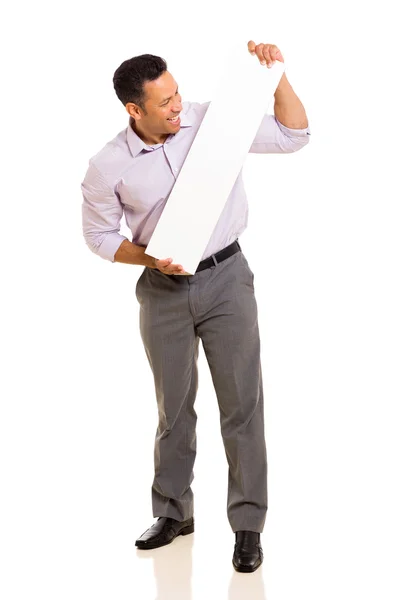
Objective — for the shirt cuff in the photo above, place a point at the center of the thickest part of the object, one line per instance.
(110, 245)
(293, 132)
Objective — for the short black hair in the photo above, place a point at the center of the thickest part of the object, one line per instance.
(133, 73)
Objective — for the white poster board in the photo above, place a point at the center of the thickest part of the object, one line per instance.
(244, 91)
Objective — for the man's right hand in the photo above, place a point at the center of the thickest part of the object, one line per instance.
(166, 266)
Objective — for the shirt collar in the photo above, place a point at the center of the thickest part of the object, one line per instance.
(136, 144)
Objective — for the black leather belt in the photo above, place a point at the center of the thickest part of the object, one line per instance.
(214, 259)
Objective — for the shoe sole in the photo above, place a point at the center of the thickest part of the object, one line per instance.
(185, 531)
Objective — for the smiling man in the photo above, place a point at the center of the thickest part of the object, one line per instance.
(133, 175)
(156, 116)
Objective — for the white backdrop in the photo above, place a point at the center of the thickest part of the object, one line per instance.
(78, 410)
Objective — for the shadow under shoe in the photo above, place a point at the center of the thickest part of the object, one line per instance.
(248, 553)
(163, 532)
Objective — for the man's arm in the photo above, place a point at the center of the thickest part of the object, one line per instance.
(101, 215)
(273, 137)
(101, 221)
(287, 130)
(288, 108)
(132, 254)
(135, 255)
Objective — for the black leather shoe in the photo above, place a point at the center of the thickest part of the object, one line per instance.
(163, 532)
(248, 554)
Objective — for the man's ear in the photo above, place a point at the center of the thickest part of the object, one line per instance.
(134, 111)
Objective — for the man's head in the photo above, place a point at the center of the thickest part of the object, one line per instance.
(150, 95)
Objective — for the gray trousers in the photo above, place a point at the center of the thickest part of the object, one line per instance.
(218, 306)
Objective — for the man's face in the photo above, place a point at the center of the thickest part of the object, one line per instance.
(162, 103)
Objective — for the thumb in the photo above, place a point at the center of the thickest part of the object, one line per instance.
(164, 260)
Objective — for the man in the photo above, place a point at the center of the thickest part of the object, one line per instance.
(133, 175)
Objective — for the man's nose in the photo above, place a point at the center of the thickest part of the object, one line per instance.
(177, 107)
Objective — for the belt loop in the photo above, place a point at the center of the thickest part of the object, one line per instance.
(214, 259)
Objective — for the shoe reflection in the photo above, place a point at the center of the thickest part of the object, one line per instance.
(172, 568)
(247, 586)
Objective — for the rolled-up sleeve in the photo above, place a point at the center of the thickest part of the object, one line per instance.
(102, 212)
(273, 137)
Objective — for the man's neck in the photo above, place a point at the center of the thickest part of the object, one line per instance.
(150, 141)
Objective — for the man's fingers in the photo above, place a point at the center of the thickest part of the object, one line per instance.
(267, 55)
(179, 269)
(275, 54)
(259, 52)
(251, 47)
(173, 269)
(164, 261)
(274, 51)
(165, 265)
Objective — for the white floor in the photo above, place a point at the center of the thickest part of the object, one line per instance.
(79, 474)
(194, 567)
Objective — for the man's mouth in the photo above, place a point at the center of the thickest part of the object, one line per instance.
(174, 120)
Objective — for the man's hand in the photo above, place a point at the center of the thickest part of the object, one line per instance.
(266, 53)
(166, 266)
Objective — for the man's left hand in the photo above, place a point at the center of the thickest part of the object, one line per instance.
(267, 54)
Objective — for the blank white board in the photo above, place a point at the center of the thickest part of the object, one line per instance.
(214, 160)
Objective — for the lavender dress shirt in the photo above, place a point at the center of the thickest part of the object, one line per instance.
(130, 177)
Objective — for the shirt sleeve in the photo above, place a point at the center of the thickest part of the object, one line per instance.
(273, 137)
(102, 212)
